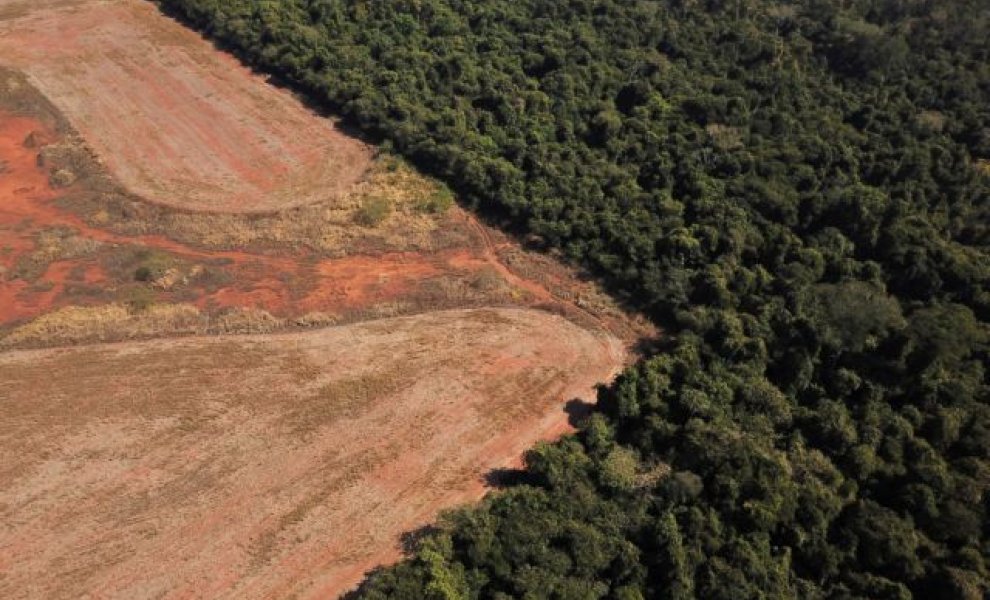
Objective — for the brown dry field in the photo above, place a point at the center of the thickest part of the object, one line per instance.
(200, 464)
(268, 466)
(176, 121)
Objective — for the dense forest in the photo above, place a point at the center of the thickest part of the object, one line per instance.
(798, 192)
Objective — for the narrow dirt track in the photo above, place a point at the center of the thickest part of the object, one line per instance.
(268, 466)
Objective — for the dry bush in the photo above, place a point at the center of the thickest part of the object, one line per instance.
(385, 310)
(315, 320)
(489, 281)
(62, 178)
(373, 212)
(77, 324)
(436, 203)
(246, 320)
(51, 245)
(724, 137)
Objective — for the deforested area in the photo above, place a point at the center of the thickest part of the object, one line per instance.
(268, 466)
(243, 352)
(175, 121)
(796, 191)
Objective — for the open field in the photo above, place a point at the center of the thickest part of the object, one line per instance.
(268, 466)
(151, 188)
(176, 122)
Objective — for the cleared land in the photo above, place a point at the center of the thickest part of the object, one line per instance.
(174, 120)
(268, 466)
(80, 264)
(283, 465)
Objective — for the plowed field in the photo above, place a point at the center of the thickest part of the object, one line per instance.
(175, 121)
(268, 466)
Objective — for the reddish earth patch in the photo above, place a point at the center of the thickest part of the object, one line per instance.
(27, 207)
(286, 285)
(23, 188)
(177, 122)
(268, 466)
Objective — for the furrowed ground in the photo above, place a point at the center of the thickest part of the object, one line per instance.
(177, 122)
(153, 189)
(268, 466)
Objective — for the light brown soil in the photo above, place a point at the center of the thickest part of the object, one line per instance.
(268, 466)
(274, 466)
(176, 121)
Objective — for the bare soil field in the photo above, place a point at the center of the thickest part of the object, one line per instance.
(175, 121)
(268, 466)
(152, 188)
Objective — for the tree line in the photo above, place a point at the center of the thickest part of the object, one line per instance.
(798, 192)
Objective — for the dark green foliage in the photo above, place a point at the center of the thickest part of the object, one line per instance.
(797, 191)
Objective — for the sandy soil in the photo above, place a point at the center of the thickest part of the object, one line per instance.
(176, 121)
(268, 466)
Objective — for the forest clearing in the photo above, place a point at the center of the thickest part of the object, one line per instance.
(175, 121)
(242, 353)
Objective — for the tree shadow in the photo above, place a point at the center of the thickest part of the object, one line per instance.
(362, 587)
(578, 411)
(409, 541)
(500, 479)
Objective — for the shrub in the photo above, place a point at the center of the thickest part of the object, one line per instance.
(373, 211)
(437, 202)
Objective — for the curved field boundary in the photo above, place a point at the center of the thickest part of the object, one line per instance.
(268, 466)
(177, 122)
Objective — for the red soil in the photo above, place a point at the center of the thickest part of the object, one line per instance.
(23, 188)
(282, 285)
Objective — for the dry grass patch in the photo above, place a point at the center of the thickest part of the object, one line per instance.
(142, 318)
(77, 324)
(51, 245)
